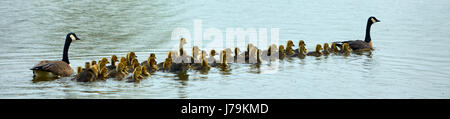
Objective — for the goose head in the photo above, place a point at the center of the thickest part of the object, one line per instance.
(319, 48)
(345, 48)
(213, 53)
(182, 42)
(236, 51)
(114, 60)
(326, 47)
(334, 47)
(373, 20)
(137, 72)
(79, 69)
(72, 36)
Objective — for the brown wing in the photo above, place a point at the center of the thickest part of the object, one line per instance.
(59, 68)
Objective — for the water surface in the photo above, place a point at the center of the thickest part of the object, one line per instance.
(411, 59)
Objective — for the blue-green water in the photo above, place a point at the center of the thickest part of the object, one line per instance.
(411, 59)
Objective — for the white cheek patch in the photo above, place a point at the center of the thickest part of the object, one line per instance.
(373, 20)
(72, 37)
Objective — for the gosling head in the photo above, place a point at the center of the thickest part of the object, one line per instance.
(301, 42)
(213, 53)
(123, 60)
(236, 51)
(334, 47)
(289, 44)
(195, 51)
(318, 48)
(250, 45)
(373, 20)
(326, 47)
(182, 42)
(224, 56)
(79, 70)
(87, 65)
(94, 62)
(345, 48)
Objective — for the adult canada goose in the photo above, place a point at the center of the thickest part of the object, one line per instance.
(316, 53)
(289, 50)
(113, 63)
(53, 69)
(281, 52)
(88, 74)
(326, 49)
(359, 44)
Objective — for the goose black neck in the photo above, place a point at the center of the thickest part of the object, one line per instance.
(66, 51)
(369, 24)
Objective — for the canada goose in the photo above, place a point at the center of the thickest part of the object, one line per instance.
(359, 44)
(145, 71)
(134, 64)
(289, 50)
(258, 57)
(103, 74)
(204, 66)
(238, 58)
(223, 65)
(88, 74)
(281, 52)
(167, 62)
(334, 48)
(119, 73)
(211, 59)
(271, 53)
(345, 50)
(301, 51)
(316, 53)
(136, 77)
(326, 49)
(194, 58)
(246, 53)
(102, 63)
(53, 69)
(301, 43)
(113, 63)
(93, 62)
(151, 63)
(123, 60)
(130, 57)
